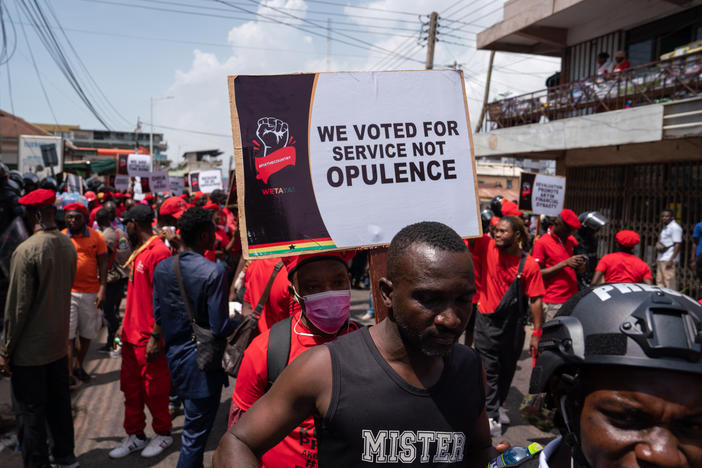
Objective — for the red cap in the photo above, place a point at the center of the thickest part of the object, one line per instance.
(570, 219)
(627, 238)
(211, 206)
(198, 195)
(509, 208)
(173, 206)
(148, 196)
(293, 263)
(494, 220)
(184, 196)
(38, 198)
(90, 195)
(76, 207)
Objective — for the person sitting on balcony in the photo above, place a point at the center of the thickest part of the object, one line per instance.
(620, 61)
(604, 65)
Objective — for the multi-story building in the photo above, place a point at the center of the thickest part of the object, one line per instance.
(87, 143)
(629, 138)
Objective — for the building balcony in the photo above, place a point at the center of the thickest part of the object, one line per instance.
(662, 81)
(646, 103)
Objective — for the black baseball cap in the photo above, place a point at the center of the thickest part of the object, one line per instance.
(139, 214)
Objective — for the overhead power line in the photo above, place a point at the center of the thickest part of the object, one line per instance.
(35, 14)
(356, 42)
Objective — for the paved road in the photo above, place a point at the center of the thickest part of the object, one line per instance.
(98, 412)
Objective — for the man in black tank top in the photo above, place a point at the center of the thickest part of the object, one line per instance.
(400, 392)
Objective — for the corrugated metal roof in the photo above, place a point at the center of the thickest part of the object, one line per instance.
(12, 126)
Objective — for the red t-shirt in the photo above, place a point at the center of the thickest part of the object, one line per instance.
(278, 305)
(476, 247)
(497, 273)
(139, 313)
(299, 448)
(622, 267)
(549, 250)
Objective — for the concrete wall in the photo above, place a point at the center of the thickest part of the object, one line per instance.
(622, 127)
(688, 149)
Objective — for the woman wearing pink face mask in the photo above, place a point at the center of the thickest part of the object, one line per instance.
(321, 285)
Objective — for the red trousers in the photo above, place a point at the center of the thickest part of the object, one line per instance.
(144, 383)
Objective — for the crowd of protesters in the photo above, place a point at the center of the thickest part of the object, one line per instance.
(316, 388)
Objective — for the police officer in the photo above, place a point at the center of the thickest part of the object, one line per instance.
(622, 366)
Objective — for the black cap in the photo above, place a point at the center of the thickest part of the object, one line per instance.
(139, 213)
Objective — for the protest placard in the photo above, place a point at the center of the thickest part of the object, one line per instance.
(74, 183)
(344, 160)
(122, 164)
(541, 194)
(176, 185)
(194, 181)
(210, 180)
(139, 165)
(159, 182)
(122, 182)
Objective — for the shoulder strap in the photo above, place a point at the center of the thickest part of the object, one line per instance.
(181, 286)
(278, 349)
(266, 292)
(521, 264)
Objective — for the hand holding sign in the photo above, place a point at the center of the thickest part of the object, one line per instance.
(273, 134)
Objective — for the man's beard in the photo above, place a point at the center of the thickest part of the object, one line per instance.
(425, 342)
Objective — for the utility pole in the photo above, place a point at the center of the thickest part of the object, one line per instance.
(329, 32)
(431, 40)
(487, 92)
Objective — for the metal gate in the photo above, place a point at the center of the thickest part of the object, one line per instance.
(632, 197)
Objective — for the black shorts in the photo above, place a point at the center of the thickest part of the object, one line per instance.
(698, 267)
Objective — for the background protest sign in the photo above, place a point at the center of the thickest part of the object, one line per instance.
(158, 182)
(139, 165)
(122, 164)
(343, 160)
(210, 180)
(541, 194)
(122, 183)
(74, 183)
(176, 185)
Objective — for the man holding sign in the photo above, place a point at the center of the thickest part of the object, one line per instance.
(402, 391)
(554, 253)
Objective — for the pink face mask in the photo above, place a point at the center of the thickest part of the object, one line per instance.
(329, 310)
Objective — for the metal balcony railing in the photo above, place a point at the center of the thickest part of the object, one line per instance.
(662, 81)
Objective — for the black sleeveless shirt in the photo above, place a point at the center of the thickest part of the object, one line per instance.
(376, 417)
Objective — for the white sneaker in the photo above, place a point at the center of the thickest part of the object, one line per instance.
(157, 445)
(129, 444)
(504, 417)
(495, 428)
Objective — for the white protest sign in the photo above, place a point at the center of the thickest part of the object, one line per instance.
(74, 183)
(548, 194)
(122, 183)
(210, 180)
(158, 182)
(346, 160)
(139, 165)
(138, 193)
(176, 185)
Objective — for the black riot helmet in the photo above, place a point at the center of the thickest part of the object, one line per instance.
(486, 215)
(619, 324)
(496, 205)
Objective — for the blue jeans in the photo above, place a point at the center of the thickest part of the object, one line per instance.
(199, 417)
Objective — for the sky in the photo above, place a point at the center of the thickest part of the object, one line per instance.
(126, 54)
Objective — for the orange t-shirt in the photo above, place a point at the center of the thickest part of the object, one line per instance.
(89, 246)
